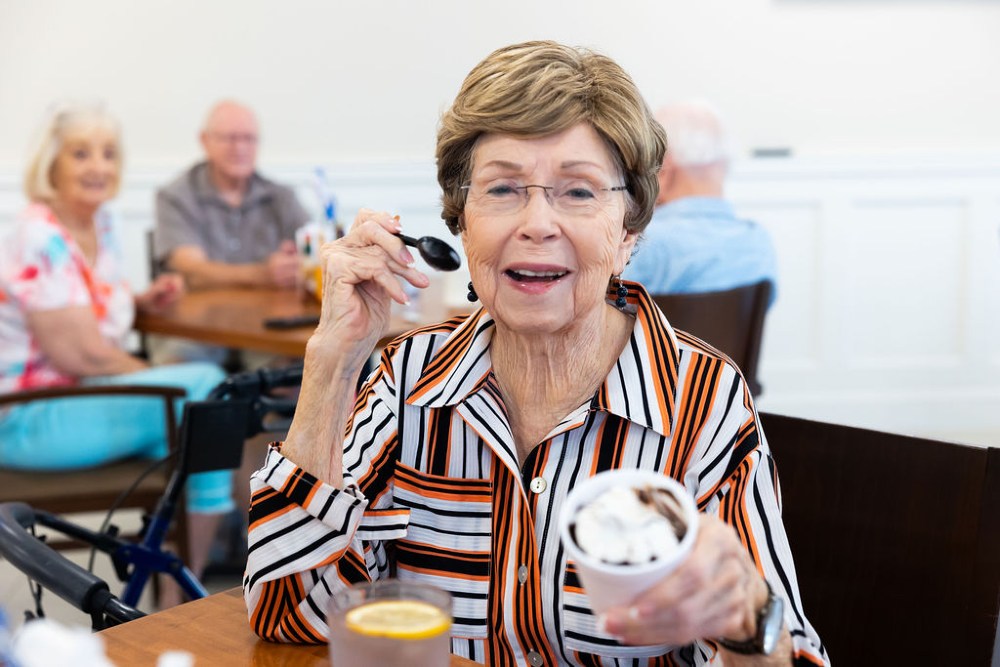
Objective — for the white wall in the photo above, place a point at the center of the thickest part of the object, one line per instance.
(886, 220)
(366, 80)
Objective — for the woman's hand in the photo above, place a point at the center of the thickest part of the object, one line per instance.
(361, 276)
(715, 592)
(161, 294)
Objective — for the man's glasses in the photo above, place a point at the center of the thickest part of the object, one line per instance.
(232, 138)
(573, 197)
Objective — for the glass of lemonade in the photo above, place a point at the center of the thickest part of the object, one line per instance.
(390, 623)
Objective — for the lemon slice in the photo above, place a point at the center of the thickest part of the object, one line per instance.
(398, 619)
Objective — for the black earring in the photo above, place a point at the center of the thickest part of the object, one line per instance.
(472, 296)
(622, 292)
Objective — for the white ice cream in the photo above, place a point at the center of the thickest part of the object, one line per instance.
(624, 525)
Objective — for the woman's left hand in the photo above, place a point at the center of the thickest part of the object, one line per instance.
(715, 592)
(161, 294)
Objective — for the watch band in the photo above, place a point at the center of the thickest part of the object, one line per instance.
(769, 620)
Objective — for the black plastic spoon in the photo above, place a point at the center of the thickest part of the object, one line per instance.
(435, 252)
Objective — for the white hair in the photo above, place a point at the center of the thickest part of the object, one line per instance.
(59, 120)
(696, 135)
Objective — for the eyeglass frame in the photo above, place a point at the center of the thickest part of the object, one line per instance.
(235, 138)
(523, 189)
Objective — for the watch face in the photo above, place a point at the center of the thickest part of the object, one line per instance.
(771, 625)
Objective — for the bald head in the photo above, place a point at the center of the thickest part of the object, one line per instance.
(229, 137)
(698, 151)
(227, 114)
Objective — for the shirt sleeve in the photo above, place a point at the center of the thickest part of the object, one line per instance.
(48, 277)
(737, 480)
(176, 225)
(308, 540)
(293, 214)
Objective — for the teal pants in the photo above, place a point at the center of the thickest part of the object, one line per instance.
(77, 433)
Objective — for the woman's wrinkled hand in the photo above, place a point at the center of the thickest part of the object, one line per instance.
(362, 275)
(164, 292)
(715, 592)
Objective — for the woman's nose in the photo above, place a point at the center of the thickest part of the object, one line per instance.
(538, 217)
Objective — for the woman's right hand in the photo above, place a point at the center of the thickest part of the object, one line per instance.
(361, 277)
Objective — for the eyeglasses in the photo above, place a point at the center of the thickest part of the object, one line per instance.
(572, 197)
(235, 137)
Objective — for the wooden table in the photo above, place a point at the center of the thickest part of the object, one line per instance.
(235, 318)
(216, 631)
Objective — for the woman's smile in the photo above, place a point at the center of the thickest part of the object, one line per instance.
(535, 278)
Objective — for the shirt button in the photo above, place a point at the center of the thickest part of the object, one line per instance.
(522, 574)
(538, 484)
(534, 659)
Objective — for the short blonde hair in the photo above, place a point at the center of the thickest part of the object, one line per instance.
(541, 88)
(61, 119)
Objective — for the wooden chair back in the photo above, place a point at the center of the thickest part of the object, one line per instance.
(96, 489)
(896, 542)
(730, 320)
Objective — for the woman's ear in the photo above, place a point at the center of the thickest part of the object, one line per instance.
(625, 249)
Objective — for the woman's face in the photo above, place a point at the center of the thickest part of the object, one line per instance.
(541, 267)
(85, 173)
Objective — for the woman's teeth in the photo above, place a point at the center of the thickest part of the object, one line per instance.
(524, 275)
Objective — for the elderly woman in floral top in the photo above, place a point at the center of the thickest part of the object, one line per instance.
(65, 310)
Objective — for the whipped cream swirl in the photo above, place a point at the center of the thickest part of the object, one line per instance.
(630, 526)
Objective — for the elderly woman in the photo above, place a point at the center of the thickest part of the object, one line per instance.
(462, 446)
(65, 311)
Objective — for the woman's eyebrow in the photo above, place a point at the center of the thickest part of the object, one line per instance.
(585, 164)
(503, 164)
(507, 165)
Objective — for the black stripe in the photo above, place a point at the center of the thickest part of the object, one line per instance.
(437, 463)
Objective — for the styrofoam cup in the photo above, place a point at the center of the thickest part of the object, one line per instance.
(610, 585)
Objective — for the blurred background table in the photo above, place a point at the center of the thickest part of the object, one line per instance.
(235, 318)
(216, 631)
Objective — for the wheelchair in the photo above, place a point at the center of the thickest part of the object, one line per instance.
(211, 438)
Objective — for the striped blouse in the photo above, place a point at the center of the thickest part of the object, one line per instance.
(435, 494)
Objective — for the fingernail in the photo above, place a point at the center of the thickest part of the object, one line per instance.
(406, 257)
(633, 613)
(395, 219)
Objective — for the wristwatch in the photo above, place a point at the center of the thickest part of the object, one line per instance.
(770, 618)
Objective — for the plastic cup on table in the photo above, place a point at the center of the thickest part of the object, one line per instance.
(390, 623)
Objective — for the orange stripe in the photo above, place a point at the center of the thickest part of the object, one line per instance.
(454, 576)
(273, 515)
(657, 367)
(810, 657)
(455, 554)
(497, 642)
(446, 358)
(741, 519)
(442, 495)
(262, 602)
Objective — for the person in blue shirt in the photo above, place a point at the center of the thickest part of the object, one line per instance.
(695, 242)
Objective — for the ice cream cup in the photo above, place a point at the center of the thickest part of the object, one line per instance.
(607, 584)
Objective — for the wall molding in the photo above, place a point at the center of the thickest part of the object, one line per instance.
(888, 310)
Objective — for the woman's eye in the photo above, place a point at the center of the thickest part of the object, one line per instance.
(501, 190)
(579, 192)
(80, 154)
